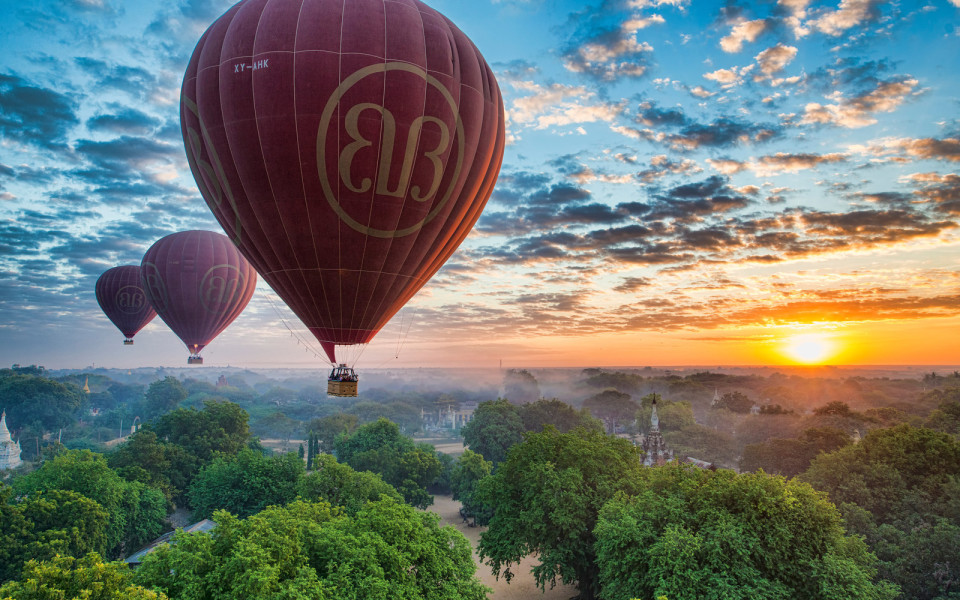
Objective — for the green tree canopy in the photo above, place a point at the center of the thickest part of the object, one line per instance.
(900, 487)
(46, 524)
(469, 469)
(136, 511)
(546, 498)
(520, 386)
(379, 447)
(613, 407)
(495, 427)
(163, 396)
(387, 551)
(563, 417)
(33, 398)
(245, 484)
(342, 486)
(790, 457)
(220, 427)
(87, 578)
(692, 534)
(737, 402)
(328, 428)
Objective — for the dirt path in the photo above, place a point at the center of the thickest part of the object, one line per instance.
(522, 586)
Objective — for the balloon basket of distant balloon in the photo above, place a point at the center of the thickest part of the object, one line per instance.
(128, 342)
(195, 360)
(342, 382)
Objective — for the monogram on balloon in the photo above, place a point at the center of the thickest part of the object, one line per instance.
(385, 162)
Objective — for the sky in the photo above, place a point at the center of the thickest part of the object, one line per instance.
(685, 183)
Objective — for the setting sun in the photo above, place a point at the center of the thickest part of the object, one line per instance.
(809, 348)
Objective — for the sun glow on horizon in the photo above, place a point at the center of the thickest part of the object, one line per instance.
(809, 348)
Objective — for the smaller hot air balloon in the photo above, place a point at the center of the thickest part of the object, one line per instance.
(123, 300)
(198, 283)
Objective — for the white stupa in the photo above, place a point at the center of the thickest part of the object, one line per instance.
(9, 450)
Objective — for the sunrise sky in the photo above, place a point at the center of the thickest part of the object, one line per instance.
(699, 183)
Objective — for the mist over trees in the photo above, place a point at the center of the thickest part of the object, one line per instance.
(832, 486)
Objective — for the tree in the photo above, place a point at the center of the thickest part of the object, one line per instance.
(900, 488)
(220, 427)
(468, 471)
(33, 398)
(136, 511)
(379, 447)
(144, 458)
(328, 428)
(689, 533)
(537, 415)
(622, 382)
(946, 418)
(245, 484)
(495, 427)
(163, 396)
(88, 578)
(65, 523)
(736, 402)
(309, 550)
(520, 386)
(704, 443)
(612, 407)
(790, 457)
(341, 486)
(546, 498)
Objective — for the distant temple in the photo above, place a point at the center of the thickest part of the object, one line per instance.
(654, 448)
(716, 398)
(86, 385)
(222, 381)
(9, 450)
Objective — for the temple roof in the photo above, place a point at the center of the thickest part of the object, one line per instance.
(4, 432)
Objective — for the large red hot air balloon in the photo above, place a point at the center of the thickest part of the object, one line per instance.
(347, 147)
(198, 283)
(121, 297)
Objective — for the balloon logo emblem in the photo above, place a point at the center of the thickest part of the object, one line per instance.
(130, 299)
(221, 286)
(432, 171)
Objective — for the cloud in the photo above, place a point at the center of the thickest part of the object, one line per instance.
(557, 105)
(614, 53)
(923, 148)
(632, 284)
(747, 31)
(721, 132)
(797, 12)
(34, 115)
(700, 92)
(137, 82)
(942, 190)
(728, 78)
(774, 59)
(661, 166)
(849, 14)
(654, 116)
(124, 120)
(858, 111)
(783, 162)
(727, 166)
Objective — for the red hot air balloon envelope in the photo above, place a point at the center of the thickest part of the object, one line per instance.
(122, 299)
(198, 283)
(346, 146)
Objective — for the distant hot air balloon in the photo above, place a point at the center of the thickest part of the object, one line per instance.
(346, 147)
(121, 297)
(198, 283)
